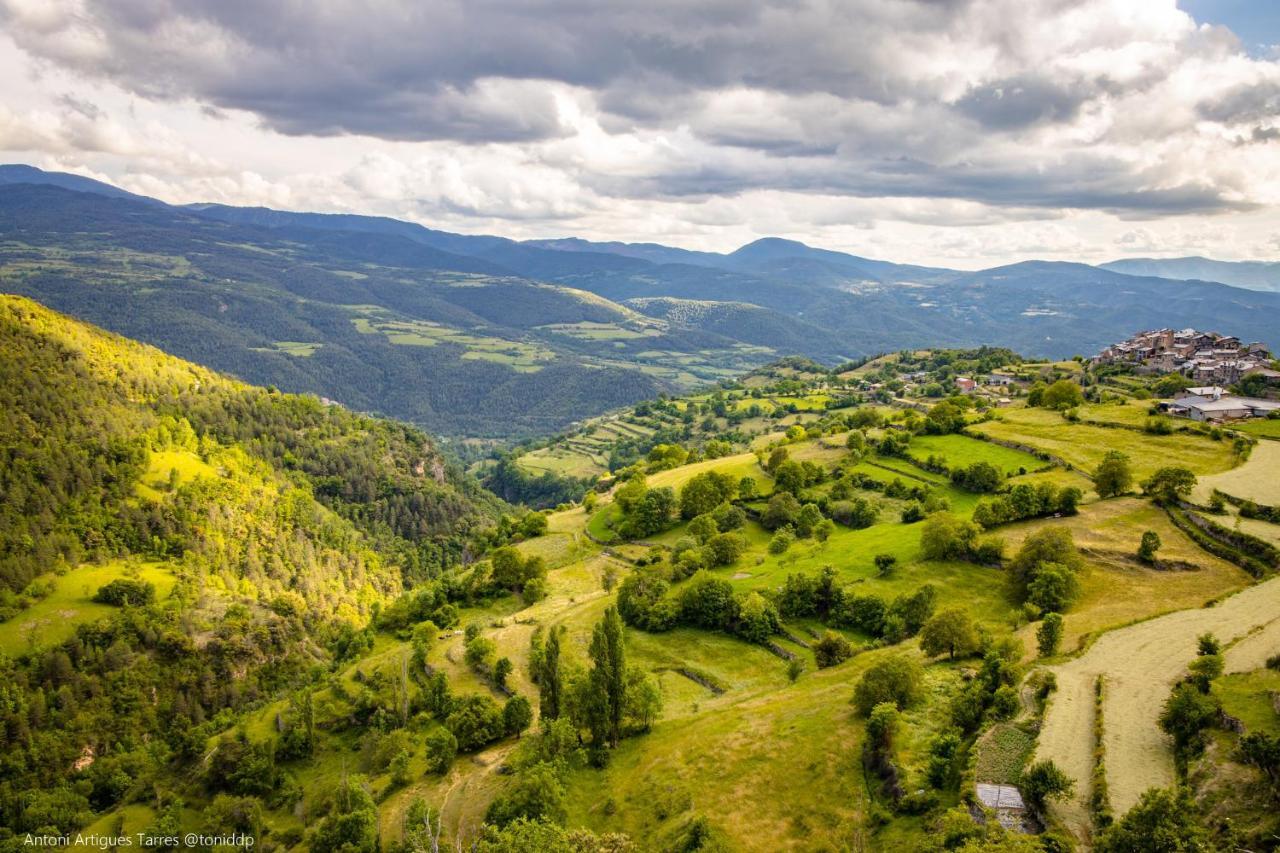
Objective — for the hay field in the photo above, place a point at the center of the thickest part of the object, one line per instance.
(1258, 479)
(1141, 664)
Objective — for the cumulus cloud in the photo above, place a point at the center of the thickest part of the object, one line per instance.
(975, 113)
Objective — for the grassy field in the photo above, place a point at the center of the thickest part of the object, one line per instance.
(961, 451)
(160, 465)
(1258, 479)
(1116, 589)
(1083, 445)
(1247, 696)
(54, 618)
(1263, 428)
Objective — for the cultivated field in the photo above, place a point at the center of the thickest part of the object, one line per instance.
(1140, 664)
(1258, 479)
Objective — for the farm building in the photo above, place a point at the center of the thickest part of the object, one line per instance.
(1219, 407)
(965, 384)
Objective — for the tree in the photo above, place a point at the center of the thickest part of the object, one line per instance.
(783, 509)
(537, 793)
(1043, 781)
(831, 649)
(945, 417)
(1049, 634)
(951, 631)
(1053, 587)
(643, 701)
(1047, 545)
(517, 715)
(897, 679)
(1170, 484)
(475, 721)
(352, 823)
(706, 491)
(982, 477)
(123, 592)
(757, 619)
(1150, 544)
(791, 476)
(947, 537)
(550, 677)
(726, 548)
(501, 672)
(882, 725)
(1061, 395)
(703, 528)
(885, 565)
(608, 676)
(1163, 821)
(441, 748)
(652, 514)
(1187, 713)
(808, 520)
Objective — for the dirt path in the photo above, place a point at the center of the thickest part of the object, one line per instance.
(1141, 664)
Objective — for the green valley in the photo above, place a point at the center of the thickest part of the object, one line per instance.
(805, 609)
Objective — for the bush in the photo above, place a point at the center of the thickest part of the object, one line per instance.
(475, 721)
(123, 592)
(1043, 781)
(781, 541)
(441, 748)
(832, 649)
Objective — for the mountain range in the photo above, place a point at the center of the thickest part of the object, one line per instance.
(487, 337)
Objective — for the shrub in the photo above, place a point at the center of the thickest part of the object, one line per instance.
(126, 591)
(831, 650)
(781, 541)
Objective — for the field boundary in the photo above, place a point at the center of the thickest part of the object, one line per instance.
(1099, 796)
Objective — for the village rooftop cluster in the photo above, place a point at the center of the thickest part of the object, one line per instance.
(1207, 358)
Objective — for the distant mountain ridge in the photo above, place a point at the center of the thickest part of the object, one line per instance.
(473, 335)
(1254, 275)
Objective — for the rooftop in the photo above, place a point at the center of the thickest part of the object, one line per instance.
(1000, 796)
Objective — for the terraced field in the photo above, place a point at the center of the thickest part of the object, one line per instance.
(1140, 664)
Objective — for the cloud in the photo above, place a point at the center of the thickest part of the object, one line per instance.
(542, 114)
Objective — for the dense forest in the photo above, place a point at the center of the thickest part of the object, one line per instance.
(280, 527)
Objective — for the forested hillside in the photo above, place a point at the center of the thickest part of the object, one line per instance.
(176, 546)
(381, 323)
(493, 340)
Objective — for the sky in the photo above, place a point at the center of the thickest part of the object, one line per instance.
(962, 133)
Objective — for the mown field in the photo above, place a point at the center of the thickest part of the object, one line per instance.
(1140, 664)
(1255, 480)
